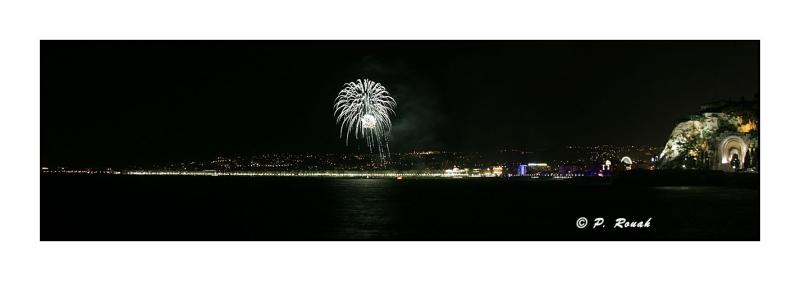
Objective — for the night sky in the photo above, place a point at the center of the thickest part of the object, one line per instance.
(107, 103)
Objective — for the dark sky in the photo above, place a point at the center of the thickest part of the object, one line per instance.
(141, 102)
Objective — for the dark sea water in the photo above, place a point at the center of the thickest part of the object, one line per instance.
(92, 207)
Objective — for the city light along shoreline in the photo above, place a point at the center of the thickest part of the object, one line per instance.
(342, 174)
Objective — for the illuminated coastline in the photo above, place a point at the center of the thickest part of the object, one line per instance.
(307, 174)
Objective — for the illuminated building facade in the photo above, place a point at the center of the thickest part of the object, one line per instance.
(522, 170)
(533, 169)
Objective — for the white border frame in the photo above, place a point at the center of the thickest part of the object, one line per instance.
(23, 23)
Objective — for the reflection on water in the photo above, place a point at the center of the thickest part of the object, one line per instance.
(672, 187)
(365, 212)
(229, 208)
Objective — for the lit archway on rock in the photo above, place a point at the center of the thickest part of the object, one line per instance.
(732, 145)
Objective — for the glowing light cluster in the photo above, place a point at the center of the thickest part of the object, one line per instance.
(364, 107)
(747, 127)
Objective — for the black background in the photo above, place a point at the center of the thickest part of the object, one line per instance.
(107, 103)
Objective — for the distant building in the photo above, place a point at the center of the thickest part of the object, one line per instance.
(533, 169)
(522, 170)
(497, 170)
(456, 172)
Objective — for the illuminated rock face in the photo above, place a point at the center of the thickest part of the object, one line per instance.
(721, 138)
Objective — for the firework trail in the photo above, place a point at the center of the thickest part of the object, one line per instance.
(363, 107)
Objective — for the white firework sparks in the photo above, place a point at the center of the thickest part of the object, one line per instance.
(364, 108)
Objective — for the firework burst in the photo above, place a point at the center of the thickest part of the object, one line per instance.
(363, 108)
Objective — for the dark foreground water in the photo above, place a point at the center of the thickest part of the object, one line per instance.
(88, 207)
